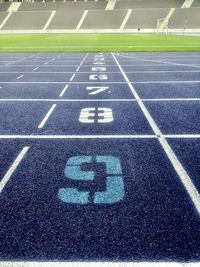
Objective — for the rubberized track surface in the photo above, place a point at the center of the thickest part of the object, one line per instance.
(99, 157)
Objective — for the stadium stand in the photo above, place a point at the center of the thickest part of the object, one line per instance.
(185, 18)
(131, 4)
(4, 6)
(65, 19)
(29, 6)
(104, 19)
(27, 20)
(146, 18)
(2, 16)
(120, 15)
(196, 3)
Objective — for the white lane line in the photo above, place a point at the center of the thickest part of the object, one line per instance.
(171, 99)
(16, 61)
(63, 100)
(95, 264)
(118, 136)
(41, 125)
(8, 64)
(64, 82)
(83, 60)
(149, 82)
(78, 67)
(63, 72)
(36, 68)
(64, 90)
(86, 65)
(164, 71)
(104, 71)
(72, 77)
(95, 99)
(13, 168)
(160, 61)
(190, 136)
(20, 77)
(64, 136)
(184, 177)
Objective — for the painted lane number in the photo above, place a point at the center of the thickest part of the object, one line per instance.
(102, 115)
(94, 90)
(114, 181)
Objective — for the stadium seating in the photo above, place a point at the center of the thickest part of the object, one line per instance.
(124, 15)
(196, 3)
(146, 18)
(2, 16)
(4, 6)
(185, 18)
(104, 19)
(27, 20)
(65, 19)
(131, 4)
(29, 6)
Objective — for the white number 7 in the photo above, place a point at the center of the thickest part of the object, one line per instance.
(97, 89)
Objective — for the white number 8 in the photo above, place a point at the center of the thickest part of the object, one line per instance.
(104, 115)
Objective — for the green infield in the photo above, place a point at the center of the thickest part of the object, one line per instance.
(97, 42)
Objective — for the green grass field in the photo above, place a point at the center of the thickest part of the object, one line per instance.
(97, 42)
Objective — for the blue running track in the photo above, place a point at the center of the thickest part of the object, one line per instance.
(99, 157)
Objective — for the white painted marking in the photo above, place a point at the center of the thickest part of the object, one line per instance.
(96, 264)
(129, 11)
(49, 20)
(13, 168)
(72, 77)
(63, 100)
(5, 20)
(57, 136)
(83, 60)
(41, 125)
(182, 136)
(100, 77)
(87, 115)
(20, 77)
(96, 69)
(172, 99)
(64, 90)
(103, 70)
(82, 19)
(147, 82)
(184, 177)
(64, 72)
(46, 63)
(88, 65)
(160, 61)
(93, 82)
(36, 68)
(99, 63)
(165, 71)
(94, 90)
